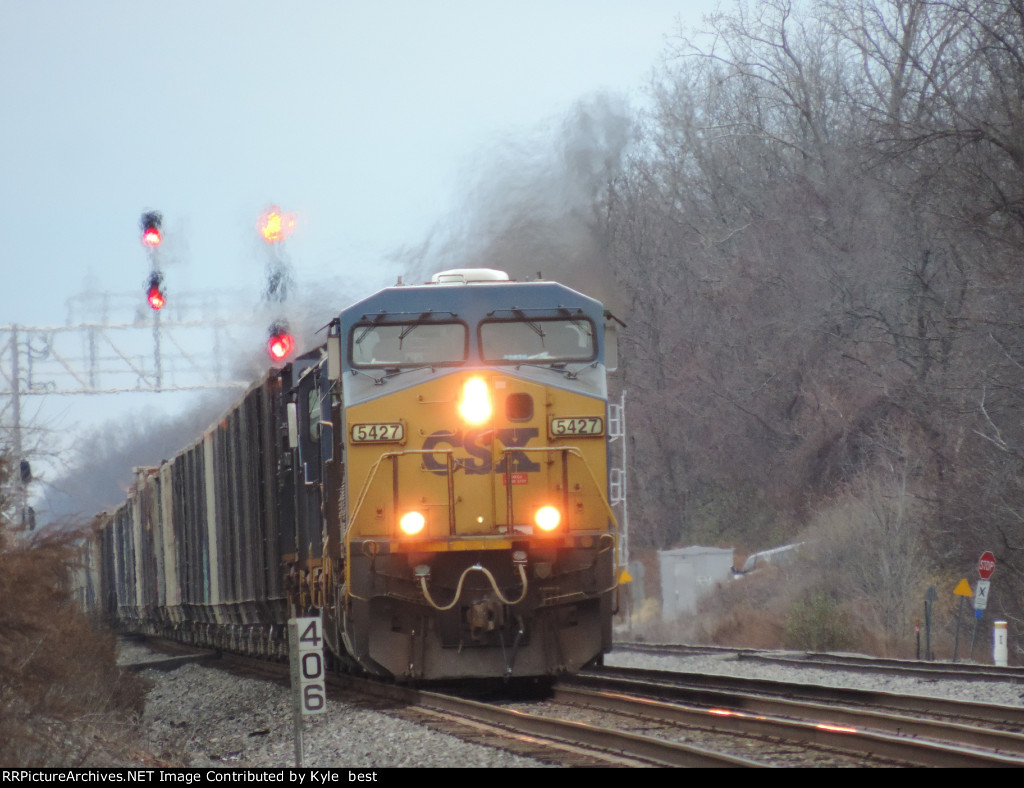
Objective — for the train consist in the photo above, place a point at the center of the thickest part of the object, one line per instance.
(432, 480)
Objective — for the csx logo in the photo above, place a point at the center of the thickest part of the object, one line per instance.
(477, 444)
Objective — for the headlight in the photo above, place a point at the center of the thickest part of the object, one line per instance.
(547, 518)
(475, 405)
(412, 523)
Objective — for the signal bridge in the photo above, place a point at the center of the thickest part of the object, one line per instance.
(183, 347)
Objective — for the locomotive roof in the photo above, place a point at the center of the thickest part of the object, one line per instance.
(474, 301)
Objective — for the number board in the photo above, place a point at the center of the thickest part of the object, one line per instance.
(378, 433)
(305, 647)
(572, 426)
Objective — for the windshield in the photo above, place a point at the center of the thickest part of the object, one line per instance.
(537, 341)
(407, 344)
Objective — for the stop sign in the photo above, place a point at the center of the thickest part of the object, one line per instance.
(986, 565)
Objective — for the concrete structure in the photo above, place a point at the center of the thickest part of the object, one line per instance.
(690, 573)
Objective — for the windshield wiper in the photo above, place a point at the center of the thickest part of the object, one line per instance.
(390, 372)
(562, 367)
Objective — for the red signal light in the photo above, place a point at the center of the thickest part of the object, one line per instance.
(150, 222)
(154, 295)
(280, 346)
(151, 237)
(156, 298)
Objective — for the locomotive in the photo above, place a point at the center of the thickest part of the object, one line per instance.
(432, 480)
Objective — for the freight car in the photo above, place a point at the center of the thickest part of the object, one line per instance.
(432, 480)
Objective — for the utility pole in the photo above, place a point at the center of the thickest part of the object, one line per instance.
(16, 394)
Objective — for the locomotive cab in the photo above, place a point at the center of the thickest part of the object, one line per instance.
(433, 480)
(477, 539)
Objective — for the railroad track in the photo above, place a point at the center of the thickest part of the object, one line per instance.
(623, 717)
(996, 716)
(906, 728)
(558, 741)
(549, 737)
(959, 671)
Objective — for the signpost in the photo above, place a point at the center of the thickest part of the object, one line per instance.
(986, 566)
(306, 656)
(962, 590)
(930, 598)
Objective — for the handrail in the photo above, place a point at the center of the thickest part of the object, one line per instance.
(574, 450)
(449, 456)
(364, 491)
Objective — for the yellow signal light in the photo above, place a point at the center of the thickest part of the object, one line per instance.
(275, 225)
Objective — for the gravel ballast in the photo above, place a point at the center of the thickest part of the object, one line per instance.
(197, 716)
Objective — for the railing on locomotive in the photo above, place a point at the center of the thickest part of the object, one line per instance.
(574, 483)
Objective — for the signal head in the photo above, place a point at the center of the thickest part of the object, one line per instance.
(275, 225)
(281, 342)
(150, 223)
(154, 291)
(155, 298)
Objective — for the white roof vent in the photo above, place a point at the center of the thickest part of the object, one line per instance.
(468, 276)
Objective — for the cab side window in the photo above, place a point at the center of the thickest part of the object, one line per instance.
(313, 408)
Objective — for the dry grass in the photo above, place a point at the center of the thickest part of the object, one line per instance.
(811, 604)
(63, 699)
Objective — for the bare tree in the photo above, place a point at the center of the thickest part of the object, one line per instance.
(814, 236)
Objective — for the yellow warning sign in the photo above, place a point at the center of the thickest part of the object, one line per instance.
(963, 588)
(625, 576)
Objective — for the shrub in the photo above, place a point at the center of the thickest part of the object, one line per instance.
(63, 699)
(817, 624)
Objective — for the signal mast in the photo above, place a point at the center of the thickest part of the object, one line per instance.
(274, 226)
(152, 237)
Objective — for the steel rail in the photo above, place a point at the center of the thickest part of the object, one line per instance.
(990, 713)
(964, 671)
(938, 743)
(959, 671)
(831, 731)
(603, 744)
(565, 732)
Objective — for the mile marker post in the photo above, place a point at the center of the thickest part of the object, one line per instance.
(306, 655)
(999, 644)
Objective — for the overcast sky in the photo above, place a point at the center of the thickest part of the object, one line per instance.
(365, 117)
(368, 119)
